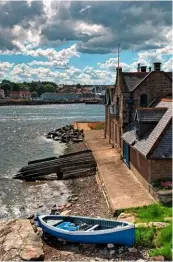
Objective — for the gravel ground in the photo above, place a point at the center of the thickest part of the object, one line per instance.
(87, 200)
(72, 148)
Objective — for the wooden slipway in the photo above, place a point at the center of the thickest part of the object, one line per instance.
(66, 166)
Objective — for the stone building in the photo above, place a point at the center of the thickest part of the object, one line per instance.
(131, 91)
(147, 145)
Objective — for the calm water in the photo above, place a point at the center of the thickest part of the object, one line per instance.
(22, 130)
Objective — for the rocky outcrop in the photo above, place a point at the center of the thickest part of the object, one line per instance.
(66, 134)
(128, 217)
(18, 241)
(152, 224)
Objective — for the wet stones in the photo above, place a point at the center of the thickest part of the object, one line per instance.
(110, 245)
(66, 134)
(132, 250)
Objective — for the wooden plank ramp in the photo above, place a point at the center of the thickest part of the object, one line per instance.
(65, 166)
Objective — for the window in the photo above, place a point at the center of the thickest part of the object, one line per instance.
(143, 100)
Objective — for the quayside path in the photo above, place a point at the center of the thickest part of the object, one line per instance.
(122, 188)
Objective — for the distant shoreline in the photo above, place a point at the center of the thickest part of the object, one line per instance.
(23, 103)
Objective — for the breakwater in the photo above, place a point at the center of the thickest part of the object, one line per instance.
(31, 103)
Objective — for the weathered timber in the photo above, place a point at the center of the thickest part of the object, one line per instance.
(68, 163)
(58, 160)
(42, 160)
(68, 175)
(56, 167)
(57, 163)
(78, 166)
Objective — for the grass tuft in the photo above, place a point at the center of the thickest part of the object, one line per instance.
(164, 251)
(145, 236)
(163, 243)
(165, 236)
(155, 212)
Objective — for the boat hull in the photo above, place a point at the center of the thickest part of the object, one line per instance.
(121, 237)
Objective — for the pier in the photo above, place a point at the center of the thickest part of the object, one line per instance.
(120, 186)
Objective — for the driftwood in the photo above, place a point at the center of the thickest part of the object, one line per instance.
(63, 166)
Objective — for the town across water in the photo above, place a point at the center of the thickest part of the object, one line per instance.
(23, 130)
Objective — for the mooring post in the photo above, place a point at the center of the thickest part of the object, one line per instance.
(59, 174)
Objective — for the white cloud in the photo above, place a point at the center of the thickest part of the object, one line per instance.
(112, 63)
(88, 29)
(5, 69)
(84, 9)
(57, 64)
(51, 53)
(41, 27)
(168, 65)
(5, 65)
(88, 75)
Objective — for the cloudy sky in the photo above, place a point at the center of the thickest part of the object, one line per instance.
(76, 41)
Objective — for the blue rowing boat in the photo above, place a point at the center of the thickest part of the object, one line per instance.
(88, 230)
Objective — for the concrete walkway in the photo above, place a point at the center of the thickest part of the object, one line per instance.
(122, 188)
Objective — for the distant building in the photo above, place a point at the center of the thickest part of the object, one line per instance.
(2, 94)
(87, 92)
(60, 85)
(60, 96)
(22, 94)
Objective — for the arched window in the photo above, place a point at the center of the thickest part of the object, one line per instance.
(143, 100)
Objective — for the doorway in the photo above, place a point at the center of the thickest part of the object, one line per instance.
(127, 154)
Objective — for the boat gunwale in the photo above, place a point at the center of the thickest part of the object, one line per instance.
(76, 233)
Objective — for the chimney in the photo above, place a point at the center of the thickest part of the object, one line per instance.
(143, 68)
(149, 68)
(157, 66)
(138, 69)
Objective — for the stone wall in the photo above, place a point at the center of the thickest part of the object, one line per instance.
(107, 112)
(160, 169)
(140, 163)
(125, 109)
(156, 85)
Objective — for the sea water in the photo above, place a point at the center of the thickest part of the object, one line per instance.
(22, 139)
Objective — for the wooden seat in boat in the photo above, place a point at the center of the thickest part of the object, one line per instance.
(92, 228)
(54, 222)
